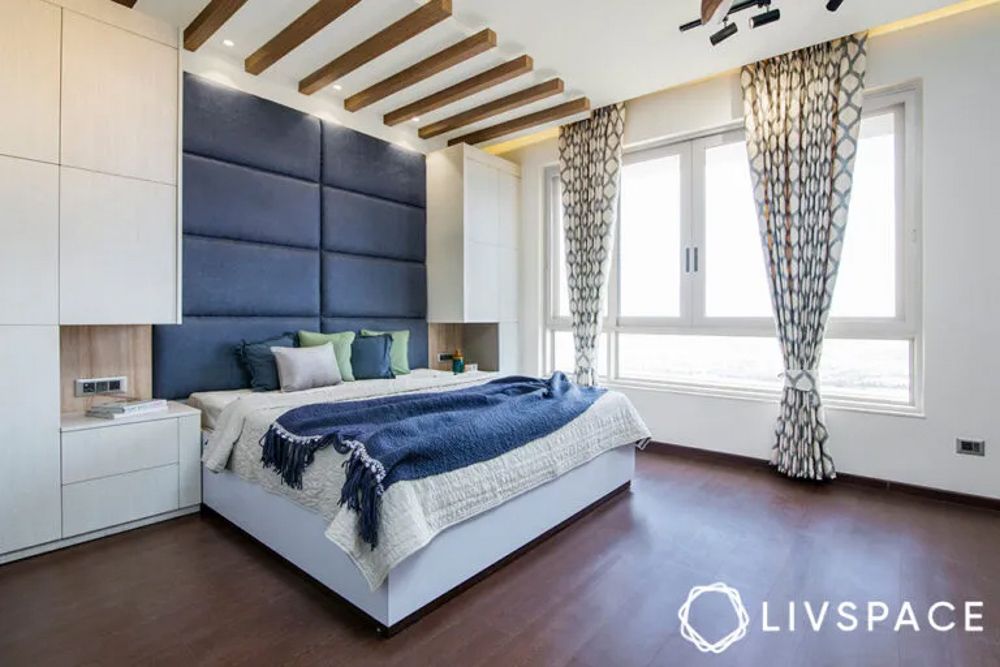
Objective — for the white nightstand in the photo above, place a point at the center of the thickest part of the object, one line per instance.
(123, 473)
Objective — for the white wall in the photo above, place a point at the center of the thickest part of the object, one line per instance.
(958, 61)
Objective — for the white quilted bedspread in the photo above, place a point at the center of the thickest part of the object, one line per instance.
(413, 512)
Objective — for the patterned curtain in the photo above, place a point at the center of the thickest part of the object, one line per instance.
(803, 113)
(590, 161)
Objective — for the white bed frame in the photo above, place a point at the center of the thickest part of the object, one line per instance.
(456, 558)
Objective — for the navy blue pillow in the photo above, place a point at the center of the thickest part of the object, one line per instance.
(370, 357)
(259, 361)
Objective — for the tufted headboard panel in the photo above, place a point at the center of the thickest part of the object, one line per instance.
(289, 223)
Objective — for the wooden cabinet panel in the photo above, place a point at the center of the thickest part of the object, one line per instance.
(481, 210)
(30, 511)
(109, 501)
(508, 284)
(118, 250)
(509, 201)
(482, 273)
(118, 448)
(119, 101)
(29, 251)
(189, 453)
(29, 79)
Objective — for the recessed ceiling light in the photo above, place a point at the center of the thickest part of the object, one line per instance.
(416, 119)
(228, 42)
(337, 86)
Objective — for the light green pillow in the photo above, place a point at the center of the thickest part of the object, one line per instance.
(341, 348)
(399, 352)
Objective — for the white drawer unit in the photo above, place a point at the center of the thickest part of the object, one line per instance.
(103, 452)
(109, 501)
(119, 471)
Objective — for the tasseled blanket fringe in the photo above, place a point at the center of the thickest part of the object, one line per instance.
(289, 455)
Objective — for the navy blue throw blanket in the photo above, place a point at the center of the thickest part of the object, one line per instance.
(411, 436)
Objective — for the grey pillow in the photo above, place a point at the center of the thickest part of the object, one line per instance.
(307, 367)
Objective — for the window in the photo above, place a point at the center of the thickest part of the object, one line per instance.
(689, 302)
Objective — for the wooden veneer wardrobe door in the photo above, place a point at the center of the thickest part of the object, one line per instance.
(29, 79)
(119, 101)
(30, 492)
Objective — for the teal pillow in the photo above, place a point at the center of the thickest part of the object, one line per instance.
(258, 359)
(399, 353)
(341, 348)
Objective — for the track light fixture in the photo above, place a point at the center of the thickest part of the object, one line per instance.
(765, 18)
(728, 30)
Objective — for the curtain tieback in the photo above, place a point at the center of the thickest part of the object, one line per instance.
(802, 380)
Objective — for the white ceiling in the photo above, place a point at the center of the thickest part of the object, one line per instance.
(609, 50)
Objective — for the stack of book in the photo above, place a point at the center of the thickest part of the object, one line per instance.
(127, 408)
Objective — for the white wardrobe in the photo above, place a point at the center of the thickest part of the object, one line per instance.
(473, 228)
(89, 227)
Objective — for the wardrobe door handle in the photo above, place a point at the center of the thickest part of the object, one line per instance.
(696, 259)
(687, 260)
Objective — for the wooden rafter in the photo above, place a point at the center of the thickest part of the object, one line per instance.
(215, 14)
(456, 53)
(577, 106)
(407, 27)
(471, 86)
(311, 21)
(493, 108)
(128, 3)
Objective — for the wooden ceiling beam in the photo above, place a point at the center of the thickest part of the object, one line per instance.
(389, 38)
(456, 53)
(215, 14)
(128, 3)
(577, 106)
(496, 107)
(471, 86)
(311, 21)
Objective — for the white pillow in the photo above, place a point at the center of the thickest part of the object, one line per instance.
(302, 368)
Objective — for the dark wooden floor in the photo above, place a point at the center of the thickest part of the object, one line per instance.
(603, 592)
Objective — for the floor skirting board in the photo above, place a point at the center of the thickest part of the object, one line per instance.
(940, 495)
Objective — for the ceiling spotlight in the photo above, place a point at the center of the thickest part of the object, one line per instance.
(727, 31)
(416, 119)
(834, 5)
(337, 86)
(228, 42)
(765, 18)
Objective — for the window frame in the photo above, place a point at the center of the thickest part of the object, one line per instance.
(904, 101)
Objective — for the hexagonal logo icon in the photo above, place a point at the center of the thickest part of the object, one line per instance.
(742, 618)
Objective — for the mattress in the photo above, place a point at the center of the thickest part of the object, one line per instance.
(413, 511)
(212, 403)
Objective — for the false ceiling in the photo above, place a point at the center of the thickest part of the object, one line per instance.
(602, 50)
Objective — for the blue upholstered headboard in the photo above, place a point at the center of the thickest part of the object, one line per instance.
(289, 223)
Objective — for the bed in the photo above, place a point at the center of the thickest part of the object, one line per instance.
(439, 533)
(290, 224)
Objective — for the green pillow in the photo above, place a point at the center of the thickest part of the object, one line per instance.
(341, 348)
(399, 353)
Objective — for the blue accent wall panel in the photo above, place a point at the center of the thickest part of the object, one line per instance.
(355, 286)
(289, 224)
(364, 225)
(229, 278)
(243, 129)
(200, 355)
(360, 163)
(235, 202)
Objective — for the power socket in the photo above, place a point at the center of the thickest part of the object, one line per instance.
(445, 356)
(970, 447)
(95, 386)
